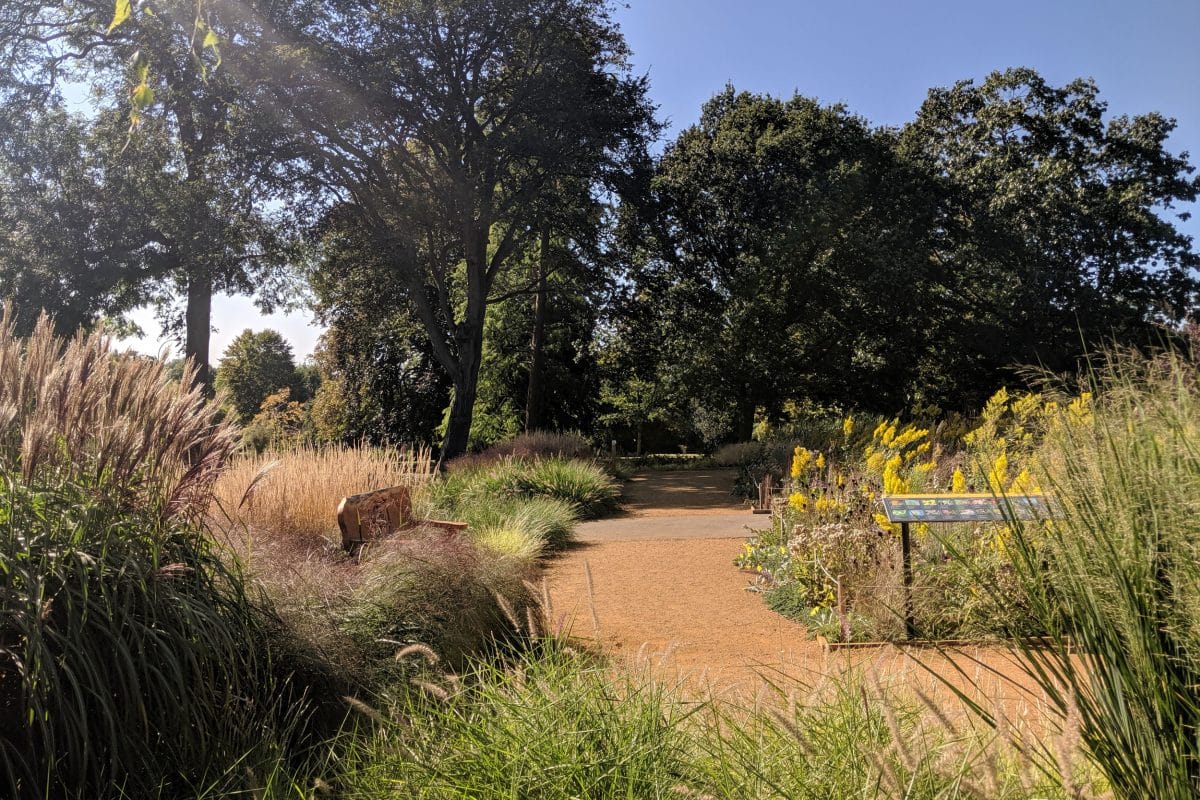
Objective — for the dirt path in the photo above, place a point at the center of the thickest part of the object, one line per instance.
(680, 493)
(658, 585)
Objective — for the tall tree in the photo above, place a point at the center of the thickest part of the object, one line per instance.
(378, 371)
(785, 258)
(538, 370)
(209, 225)
(1054, 228)
(254, 366)
(446, 125)
(71, 208)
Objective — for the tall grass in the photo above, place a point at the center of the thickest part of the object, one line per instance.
(1116, 579)
(292, 495)
(131, 660)
(73, 410)
(559, 725)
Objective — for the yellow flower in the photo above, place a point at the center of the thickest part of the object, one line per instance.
(958, 481)
(892, 482)
(907, 436)
(798, 502)
(820, 461)
(998, 475)
(1023, 484)
(847, 426)
(800, 461)
(876, 462)
(1079, 412)
(889, 435)
(927, 466)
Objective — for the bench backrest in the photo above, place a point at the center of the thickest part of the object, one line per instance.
(373, 515)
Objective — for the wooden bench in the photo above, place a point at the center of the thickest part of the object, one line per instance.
(374, 515)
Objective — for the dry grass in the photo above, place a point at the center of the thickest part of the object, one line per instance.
(290, 497)
(73, 410)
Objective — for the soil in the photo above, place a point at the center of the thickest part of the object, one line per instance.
(658, 587)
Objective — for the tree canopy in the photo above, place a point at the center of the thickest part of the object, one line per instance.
(466, 118)
(487, 237)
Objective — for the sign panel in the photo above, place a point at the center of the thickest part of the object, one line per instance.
(965, 507)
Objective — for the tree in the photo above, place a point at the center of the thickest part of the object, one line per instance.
(256, 365)
(466, 116)
(538, 370)
(207, 225)
(72, 243)
(1051, 230)
(380, 380)
(784, 258)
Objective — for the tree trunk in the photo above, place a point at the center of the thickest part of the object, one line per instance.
(469, 340)
(198, 326)
(462, 407)
(533, 396)
(745, 421)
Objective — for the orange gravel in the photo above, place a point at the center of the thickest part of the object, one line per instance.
(680, 606)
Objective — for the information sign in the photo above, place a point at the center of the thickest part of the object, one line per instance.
(965, 507)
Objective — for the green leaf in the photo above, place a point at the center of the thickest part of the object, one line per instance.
(210, 39)
(141, 95)
(121, 13)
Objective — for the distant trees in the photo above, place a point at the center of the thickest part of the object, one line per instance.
(1053, 228)
(489, 239)
(791, 253)
(381, 381)
(785, 257)
(256, 365)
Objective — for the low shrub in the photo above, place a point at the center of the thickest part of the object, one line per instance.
(542, 444)
(584, 485)
(435, 590)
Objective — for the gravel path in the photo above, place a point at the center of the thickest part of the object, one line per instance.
(658, 585)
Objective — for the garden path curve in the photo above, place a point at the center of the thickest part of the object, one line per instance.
(657, 585)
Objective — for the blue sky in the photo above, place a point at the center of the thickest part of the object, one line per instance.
(879, 58)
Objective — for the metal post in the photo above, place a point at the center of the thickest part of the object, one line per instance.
(910, 628)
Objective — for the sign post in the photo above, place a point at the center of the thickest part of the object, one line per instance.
(906, 509)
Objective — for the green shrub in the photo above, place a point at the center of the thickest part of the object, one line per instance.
(542, 444)
(584, 485)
